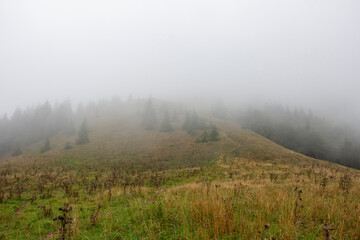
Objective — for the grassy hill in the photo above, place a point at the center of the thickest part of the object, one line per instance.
(129, 183)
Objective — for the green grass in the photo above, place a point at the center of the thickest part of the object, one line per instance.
(165, 186)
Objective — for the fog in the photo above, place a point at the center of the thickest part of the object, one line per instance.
(303, 53)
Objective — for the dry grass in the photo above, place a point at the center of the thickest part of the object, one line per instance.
(164, 186)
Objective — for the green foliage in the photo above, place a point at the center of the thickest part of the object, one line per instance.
(46, 147)
(166, 124)
(83, 137)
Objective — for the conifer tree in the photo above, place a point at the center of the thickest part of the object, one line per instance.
(203, 138)
(83, 137)
(214, 134)
(67, 146)
(46, 147)
(166, 125)
(17, 150)
(193, 122)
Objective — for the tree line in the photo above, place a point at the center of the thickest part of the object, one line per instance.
(295, 129)
(44, 121)
(34, 124)
(304, 132)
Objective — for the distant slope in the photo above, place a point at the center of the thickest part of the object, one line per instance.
(121, 141)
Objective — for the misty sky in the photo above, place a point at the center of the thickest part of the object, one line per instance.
(304, 52)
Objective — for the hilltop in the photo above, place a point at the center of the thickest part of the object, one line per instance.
(131, 183)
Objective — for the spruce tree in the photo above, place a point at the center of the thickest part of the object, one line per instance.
(214, 134)
(192, 123)
(17, 150)
(67, 146)
(46, 147)
(203, 138)
(83, 137)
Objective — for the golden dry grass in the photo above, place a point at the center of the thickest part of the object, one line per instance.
(165, 186)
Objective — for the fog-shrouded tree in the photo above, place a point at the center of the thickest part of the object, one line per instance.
(149, 119)
(166, 123)
(46, 147)
(17, 150)
(193, 122)
(33, 124)
(214, 134)
(349, 153)
(83, 137)
(204, 138)
(64, 118)
(304, 132)
(67, 146)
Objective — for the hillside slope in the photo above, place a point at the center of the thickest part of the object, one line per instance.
(122, 141)
(154, 185)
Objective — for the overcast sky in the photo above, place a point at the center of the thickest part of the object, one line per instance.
(304, 52)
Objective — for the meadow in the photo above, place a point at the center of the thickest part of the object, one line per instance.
(129, 183)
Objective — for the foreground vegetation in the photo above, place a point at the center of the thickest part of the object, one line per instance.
(150, 185)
